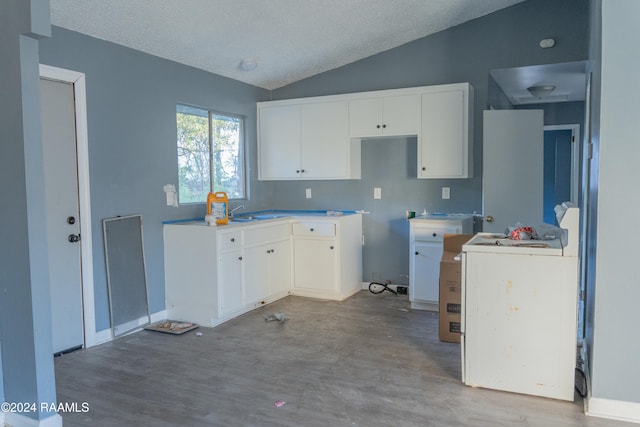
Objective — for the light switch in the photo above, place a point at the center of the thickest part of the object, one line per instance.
(377, 193)
(307, 192)
(446, 193)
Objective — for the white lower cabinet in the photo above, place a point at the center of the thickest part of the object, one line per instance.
(426, 239)
(327, 257)
(280, 268)
(315, 265)
(213, 274)
(230, 279)
(267, 271)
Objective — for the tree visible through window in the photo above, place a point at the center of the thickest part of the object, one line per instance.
(209, 145)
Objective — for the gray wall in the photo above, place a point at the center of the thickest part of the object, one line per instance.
(613, 339)
(131, 101)
(468, 52)
(131, 107)
(25, 316)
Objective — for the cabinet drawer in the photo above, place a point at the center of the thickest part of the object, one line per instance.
(271, 233)
(433, 234)
(322, 229)
(229, 240)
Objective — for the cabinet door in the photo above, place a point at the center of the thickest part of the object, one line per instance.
(315, 264)
(444, 144)
(401, 115)
(324, 150)
(425, 285)
(280, 267)
(365, 117)
(230, 278)
(279, 142)
(256, 274)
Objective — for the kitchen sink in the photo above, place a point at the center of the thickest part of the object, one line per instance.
(249, 218)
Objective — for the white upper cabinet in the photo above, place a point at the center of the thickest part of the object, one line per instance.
(390, 115)
(444, 147)
(320, 137)
(324, 142)
(279, 142)
(306, 141)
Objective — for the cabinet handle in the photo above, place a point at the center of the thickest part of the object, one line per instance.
(302, 170)
(384, 126)
(377, 126)
(297, 170)
(330, 247)
(233, 239)
(424, 168)
(417, 253)
(434, 234)
(311, 229)
(240, 258)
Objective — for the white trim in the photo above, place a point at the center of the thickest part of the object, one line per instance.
(614, 409)
(575, 157)
(14, 419)
(82, 144)
(103, 336)
(158, 316)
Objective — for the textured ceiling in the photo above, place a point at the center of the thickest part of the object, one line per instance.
(289, 39)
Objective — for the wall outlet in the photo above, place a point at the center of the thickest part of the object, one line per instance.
(377, 193)
(307, 193)
(446, 192)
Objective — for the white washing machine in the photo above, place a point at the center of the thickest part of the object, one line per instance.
(519, 311)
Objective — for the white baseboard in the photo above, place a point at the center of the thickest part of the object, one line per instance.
(104, 336)
(613, 409)
(160, 315)
(18, 420)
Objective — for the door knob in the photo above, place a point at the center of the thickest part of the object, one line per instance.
(71, 220)
(73, 238)
(489, 218)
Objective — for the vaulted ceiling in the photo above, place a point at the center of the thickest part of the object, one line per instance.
(286, 40)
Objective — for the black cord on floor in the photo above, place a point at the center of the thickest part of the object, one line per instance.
(383, 287)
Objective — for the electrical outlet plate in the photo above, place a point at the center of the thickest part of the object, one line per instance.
(446, 192)
(307, 193)
(377, 193)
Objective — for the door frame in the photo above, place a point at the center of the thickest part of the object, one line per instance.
(84, 200)
(575, 157)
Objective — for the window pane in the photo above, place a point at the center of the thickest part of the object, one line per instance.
(194, 175)
(228, 165)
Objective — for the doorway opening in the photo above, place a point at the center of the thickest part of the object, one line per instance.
(561, 167)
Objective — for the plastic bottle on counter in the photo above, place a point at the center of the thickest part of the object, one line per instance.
(217, 206)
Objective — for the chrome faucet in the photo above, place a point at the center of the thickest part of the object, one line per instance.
(235, 209)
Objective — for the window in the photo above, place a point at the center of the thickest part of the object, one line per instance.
(210, 144)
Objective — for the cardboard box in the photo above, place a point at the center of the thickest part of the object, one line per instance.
(450, 287)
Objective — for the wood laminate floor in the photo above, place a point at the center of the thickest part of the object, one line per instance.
(366, 361)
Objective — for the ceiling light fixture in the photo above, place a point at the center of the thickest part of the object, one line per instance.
(248, 64)
(541, 91)
(547, 43)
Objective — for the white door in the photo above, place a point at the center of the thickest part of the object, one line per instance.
(512, 168)
(315, 265)
(63, 222)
